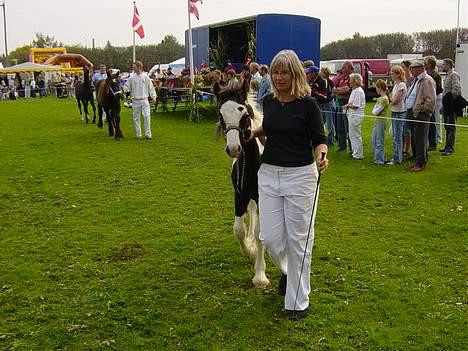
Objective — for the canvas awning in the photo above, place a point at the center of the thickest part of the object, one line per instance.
(30, 67)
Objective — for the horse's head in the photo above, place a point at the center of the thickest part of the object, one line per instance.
(234, 117)
(113, 84)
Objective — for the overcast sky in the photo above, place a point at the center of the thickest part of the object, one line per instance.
(78, 21)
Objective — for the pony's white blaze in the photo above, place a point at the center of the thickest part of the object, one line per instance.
(232, 113)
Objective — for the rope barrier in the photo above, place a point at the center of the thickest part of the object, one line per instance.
(407, 120)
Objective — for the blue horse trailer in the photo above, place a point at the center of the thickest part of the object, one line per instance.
(268, 33)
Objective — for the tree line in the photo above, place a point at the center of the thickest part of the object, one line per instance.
(120, 57)
(440, 43)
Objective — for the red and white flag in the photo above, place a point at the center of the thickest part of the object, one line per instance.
(136, 23)
(193, 8)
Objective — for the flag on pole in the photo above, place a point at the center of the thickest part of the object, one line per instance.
(193, 8)
(136, 23)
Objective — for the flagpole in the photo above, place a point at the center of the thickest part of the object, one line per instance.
(192, 71)
(134, 52)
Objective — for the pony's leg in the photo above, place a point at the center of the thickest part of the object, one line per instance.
(110, 122)
(91, 101)
(100, 110)
(240, 232)
(260, 279)
(79, 107)
(118, 132)
(85, 104)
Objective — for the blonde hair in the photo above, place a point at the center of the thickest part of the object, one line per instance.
(289, 60)
(356, 78)
(138, 64)
(431, 61)
(325, 71)
(400, 72)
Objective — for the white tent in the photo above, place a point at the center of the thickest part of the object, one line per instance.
(177, 67)
(30, 67)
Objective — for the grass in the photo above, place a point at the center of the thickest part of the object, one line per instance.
(128, 245)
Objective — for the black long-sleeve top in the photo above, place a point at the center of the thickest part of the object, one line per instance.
(293, 130)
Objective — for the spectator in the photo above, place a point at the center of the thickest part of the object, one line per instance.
(398, 113)
(42, 86)
(430, 64)
(318, 85)
(452, 91)
(265, 86)
(378, 132)
(232, 82)
(420, 104)
(342, 91)
(328, 108)
(254, 72)
(3, 90)
(141, 89)
(406, 128)
(229, 67)
(355, 113)
(253, 94)
(100, 75)
(308, 63)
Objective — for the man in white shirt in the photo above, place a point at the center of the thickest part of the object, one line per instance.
(141, 89)
(254, 72)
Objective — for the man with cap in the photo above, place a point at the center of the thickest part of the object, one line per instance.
(318, 85)
(420, 103)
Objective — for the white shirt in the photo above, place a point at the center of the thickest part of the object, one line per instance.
(401, 106)
(357, 98)
(140, 87)
(257, 77)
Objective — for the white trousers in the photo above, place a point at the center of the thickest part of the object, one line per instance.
(354, 122)
(286, 196)
(141, 107)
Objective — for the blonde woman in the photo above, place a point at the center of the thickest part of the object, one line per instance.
(355, 113)
(287, 179)
(398, 113)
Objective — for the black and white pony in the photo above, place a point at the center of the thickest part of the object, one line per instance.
(236, 120)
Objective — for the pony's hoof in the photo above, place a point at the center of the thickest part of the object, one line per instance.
(117, 138)
(260, 282)
(94, 121)
(100, 125)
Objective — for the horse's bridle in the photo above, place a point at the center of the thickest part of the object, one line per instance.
(243, 133)
(118, 92)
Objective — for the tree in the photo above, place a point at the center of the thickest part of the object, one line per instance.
(21, 54)
(45, 41)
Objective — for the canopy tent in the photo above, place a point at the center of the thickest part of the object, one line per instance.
(177, 66)
(30, 67)
(72, 60)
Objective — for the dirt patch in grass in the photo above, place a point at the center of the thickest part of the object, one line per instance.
(127, 252)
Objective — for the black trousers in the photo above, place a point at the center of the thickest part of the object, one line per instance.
(419, 136)
(432, 132)
(450, 118)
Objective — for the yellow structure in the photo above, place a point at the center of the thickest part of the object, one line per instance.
(41, 55)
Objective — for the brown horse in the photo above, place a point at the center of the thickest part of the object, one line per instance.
(108, 95)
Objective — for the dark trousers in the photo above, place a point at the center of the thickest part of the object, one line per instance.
(419, 136)
(432, 132)
(341, 126)
(451, 118)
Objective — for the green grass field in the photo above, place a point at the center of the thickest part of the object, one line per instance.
(128, 245)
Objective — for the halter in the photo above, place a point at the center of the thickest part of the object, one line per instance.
(242, 132)
(118, 92)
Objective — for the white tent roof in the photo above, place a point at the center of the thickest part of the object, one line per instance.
(180, 61)
(30, 67)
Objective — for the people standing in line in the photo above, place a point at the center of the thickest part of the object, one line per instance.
(328, 107)
(430, 63)
(405, 64)
(452, 91)
(380, 124)
(398, 113)
(420, 104)
(355, 113)
(287, 179)
(342, 91)
(265, 86)
(141, 89)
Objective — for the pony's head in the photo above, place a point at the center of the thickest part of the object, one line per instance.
(234, 117)
(113, 84)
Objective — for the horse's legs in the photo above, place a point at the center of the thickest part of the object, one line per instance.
(118, 132)
(79, 107)
(260, 279)
(240, 232)
(91, 101)
(100, 110)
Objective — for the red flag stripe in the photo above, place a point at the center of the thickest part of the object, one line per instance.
(136, 23)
